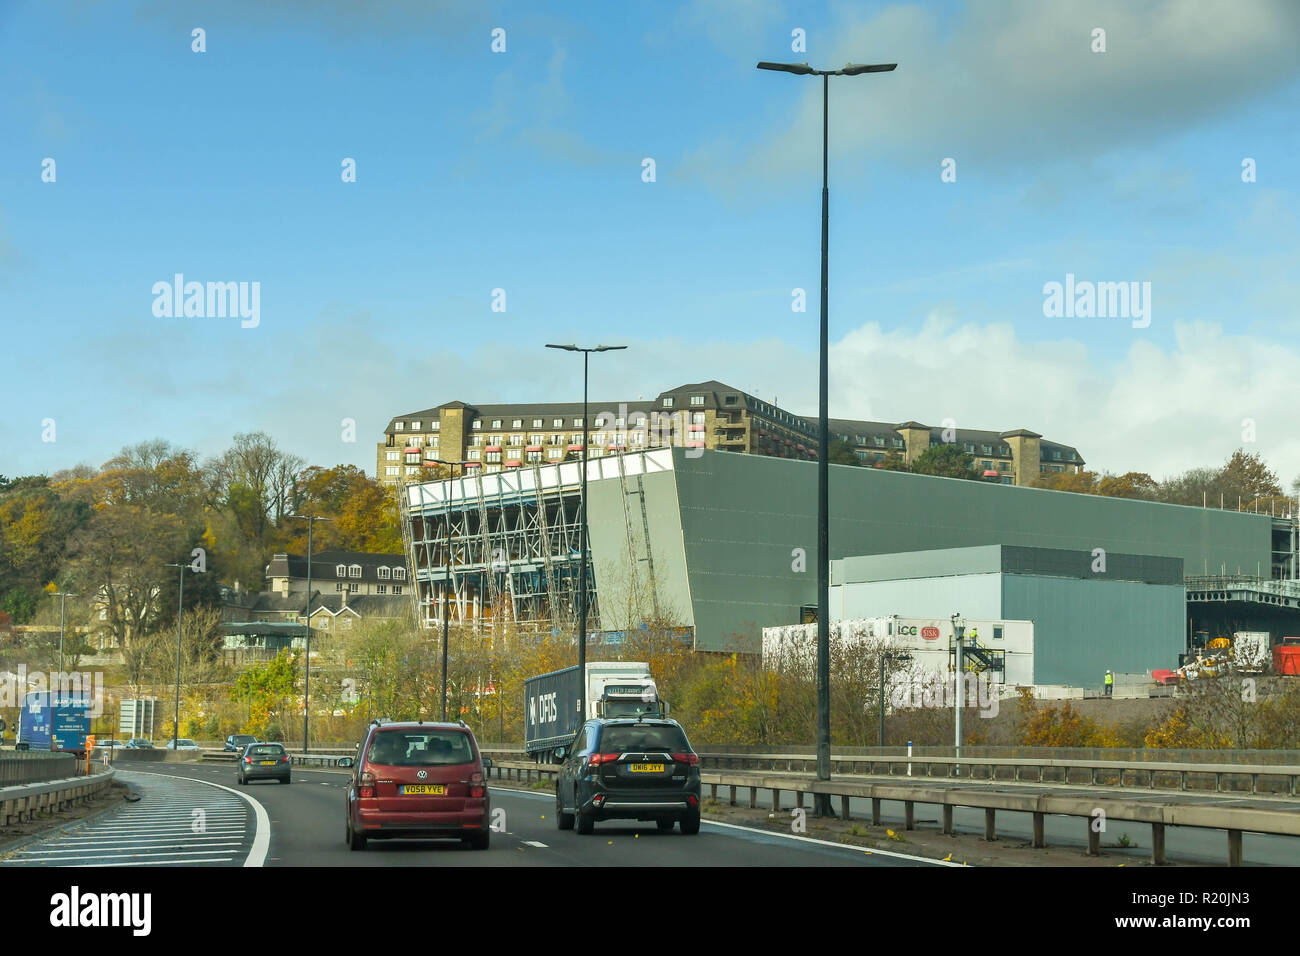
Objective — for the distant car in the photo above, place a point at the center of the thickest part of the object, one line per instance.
(629, 768)
(182, 744)
(138, 743)
(237, 742)
(109, 744)
(264, 762)
(418, 780)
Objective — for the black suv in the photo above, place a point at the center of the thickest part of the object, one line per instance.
(629, 768)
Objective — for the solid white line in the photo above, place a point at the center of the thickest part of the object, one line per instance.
(205, 859)
(100, 856)
(90, 844)
(133, 846)
(839, 846)
(262, 837)
(535, 843)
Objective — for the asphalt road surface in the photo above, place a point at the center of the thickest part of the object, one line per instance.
(302, 825)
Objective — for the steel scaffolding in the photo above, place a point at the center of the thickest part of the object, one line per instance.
(503, 552)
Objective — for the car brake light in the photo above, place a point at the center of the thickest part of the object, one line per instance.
(284, 759)
(691, 759)
(248, 760)
(597, 759)
(367, 784)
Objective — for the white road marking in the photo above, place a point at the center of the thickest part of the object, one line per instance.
(534, 843)
(839, 846)
(262, 837)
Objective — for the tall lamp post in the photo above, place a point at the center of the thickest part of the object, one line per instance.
(582, 529)
(452, 465)
(180, 606)
(822, 801)
(63, 600)
(306, 682)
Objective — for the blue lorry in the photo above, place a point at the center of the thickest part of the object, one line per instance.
(54, 720)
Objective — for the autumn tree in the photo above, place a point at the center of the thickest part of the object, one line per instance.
(946, 461)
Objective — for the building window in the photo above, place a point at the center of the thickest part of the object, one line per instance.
(518, 423)
(879, 442)
(340, 570)
(399, 574)
(397, 589)
(415, 426)
(435, 426)
(697, 418)
(392, 456)
(322, 623)
(537, 423)
(476, 441)
(338, 586)
(898, 443)
(381, 588)
(600, 420)
(697, 399)
(516, 439)
(493, 456)
(392, 471)
(668, 402)
(1056, 456)
(475, 454)
(618, 422)
(412, 470)
(534, 456)
(554, 453)
(353, 588)
(731, 399)
(557, 422)
(997, 632)
(577, 423)
(354, 571)
(383, 573)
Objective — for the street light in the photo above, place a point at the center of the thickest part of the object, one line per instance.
(822, 801)
(180, 607)
(958, 635)
(450, 464)
(306, 680)
(582, 529)
(63, 600)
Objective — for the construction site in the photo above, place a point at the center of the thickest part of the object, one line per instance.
(721, 546)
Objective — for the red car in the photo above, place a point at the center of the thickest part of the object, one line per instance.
(418, 780)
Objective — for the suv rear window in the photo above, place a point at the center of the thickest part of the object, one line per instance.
(265, 749)
(420, 748)
(622, 738)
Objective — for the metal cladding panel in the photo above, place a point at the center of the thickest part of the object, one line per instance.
(976, 596)
(743, 516)
(627, 595)
(1084, 628)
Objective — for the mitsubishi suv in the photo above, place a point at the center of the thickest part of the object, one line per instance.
(418, 780)
(630, 768)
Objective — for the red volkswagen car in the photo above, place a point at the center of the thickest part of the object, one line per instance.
(418, 780)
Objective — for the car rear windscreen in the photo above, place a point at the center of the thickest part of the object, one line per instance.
(265, 749)
(623, 738)
(420, 748)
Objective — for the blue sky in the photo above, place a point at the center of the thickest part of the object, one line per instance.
(522, 171)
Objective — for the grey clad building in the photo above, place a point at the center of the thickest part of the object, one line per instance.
(1092, 612)
(725, 544)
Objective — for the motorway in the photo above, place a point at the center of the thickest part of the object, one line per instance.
(269, 824)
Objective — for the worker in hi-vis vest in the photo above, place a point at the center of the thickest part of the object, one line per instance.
(1110, 682)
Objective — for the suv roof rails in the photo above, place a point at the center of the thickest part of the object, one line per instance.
(463, 724)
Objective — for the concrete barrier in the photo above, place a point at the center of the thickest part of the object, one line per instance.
(19, 804)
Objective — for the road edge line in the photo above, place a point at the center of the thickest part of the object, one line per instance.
(262, 832)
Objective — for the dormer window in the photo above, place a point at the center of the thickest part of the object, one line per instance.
(399, 574)
(340, 570)
(354, 570)
(383, 573)
(399, 426)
